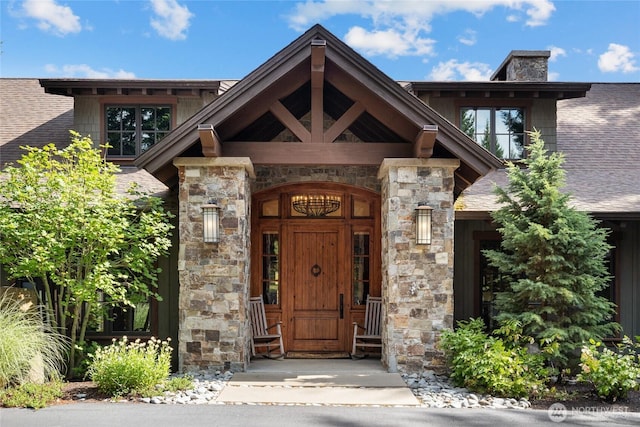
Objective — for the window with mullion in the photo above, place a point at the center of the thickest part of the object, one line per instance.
(498, 129)
(361, 253)
(133, 129)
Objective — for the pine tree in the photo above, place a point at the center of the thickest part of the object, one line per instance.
(554, 257)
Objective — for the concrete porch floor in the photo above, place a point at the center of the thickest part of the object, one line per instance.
(318, 382)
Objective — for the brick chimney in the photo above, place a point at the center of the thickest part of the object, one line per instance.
(523, 66)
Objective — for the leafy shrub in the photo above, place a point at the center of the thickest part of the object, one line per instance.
(27, 342)
(125, 367)
(29, 395)
(613, 373)
(178, 383)
(84, 350)
(489, 364)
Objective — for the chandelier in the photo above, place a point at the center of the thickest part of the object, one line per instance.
(315, 204)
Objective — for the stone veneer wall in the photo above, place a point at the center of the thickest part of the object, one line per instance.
(417, 280)
(527, 69)
(214, 277)
(359, 176)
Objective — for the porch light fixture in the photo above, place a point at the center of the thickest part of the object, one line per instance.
(315, 205)
(423, 224)
(210, 222)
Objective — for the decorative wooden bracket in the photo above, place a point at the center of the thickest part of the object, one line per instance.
(211, 146)
(424, 142)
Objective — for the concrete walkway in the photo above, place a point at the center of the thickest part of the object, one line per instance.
(318, 382)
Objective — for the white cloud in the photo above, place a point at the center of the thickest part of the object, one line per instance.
(539, 12)
(85, 71)
(389, 42)
(469, 37)
(553, 76)
(618, 58)
(556, 52)
(453, 70)
(171, 20)
(52, 17)
(401, 27)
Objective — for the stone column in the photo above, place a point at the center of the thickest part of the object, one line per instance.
(213, 328)
(417, 280)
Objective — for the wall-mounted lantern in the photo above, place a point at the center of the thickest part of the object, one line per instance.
(211, 222)
(423, 224)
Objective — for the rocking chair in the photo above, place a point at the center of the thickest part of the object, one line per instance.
(370, 335)
(260, 336)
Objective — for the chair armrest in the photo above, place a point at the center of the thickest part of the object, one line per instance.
(274, 325)
(356, 326)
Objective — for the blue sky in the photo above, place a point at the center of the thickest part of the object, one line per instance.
(590, 41)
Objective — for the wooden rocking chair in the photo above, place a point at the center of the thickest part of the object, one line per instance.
(260, 336)
(370, 335)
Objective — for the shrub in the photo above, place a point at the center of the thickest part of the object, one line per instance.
(178, 383)
(27, 342)
(125, 367)
(488, 364)
(613, 373)
(31, 395)
(84, 350)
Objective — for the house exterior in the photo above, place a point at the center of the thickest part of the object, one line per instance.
(318, 124)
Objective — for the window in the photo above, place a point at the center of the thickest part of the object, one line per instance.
(361, 258)
(271, 268)
(133, 129)
(123, 319)
(499, 130)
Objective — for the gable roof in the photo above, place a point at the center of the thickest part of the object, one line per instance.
(600, 138)
(346, 70)
(31, 117)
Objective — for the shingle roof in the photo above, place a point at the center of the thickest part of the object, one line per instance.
(600, 137)
(29, 116)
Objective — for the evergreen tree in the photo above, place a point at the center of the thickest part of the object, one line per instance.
(553, 256)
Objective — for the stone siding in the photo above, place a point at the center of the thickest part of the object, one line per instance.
(417, 280)
(359, 176)
(214, 277)
(527, 69)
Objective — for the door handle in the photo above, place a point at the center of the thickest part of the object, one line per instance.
(342, 306)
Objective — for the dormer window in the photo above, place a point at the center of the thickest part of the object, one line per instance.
(498, 129)
(133, 129)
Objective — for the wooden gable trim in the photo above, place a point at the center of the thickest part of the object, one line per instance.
(344, 122)
(318, 54)
(289, 120)
(314, 153)
(375, 106)
(211, 146)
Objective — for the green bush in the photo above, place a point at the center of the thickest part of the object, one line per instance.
(130, 368)
(178, 383)
(29, 395)
(613, 373)
(84, 350)
(489, 364)
(27, 343)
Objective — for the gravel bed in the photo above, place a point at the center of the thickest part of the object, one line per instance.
(431, 390)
